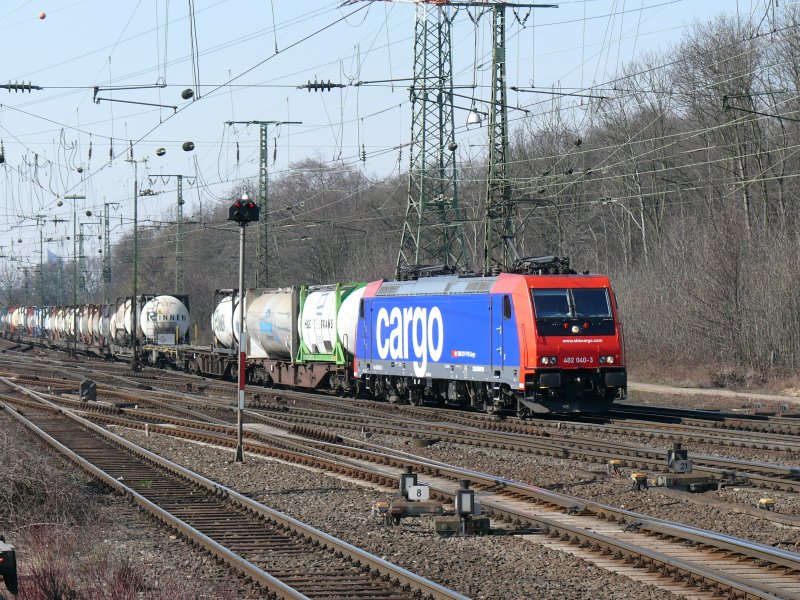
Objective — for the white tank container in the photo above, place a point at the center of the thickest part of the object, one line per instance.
(105, 320)
(225, 322)
(320, 323)
(112, 327)
(15, 317)
(96, 322)
(86, 321)
(118, 328)
(65, 316)
(317, 324)
(162, 315)
(268, 322)
(126, 318)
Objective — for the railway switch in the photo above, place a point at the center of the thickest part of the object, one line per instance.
(380, 508)
(8, 565)
(686, 482)
(639, 481)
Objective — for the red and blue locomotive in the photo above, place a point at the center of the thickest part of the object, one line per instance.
(525, 343)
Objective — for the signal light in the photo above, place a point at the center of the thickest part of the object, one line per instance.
(243, 211)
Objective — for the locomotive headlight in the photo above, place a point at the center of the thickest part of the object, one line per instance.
(575, 329)
(545, 360)
(607, 360)
(549, 360)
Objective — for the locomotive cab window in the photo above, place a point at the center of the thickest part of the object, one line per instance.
(591, 303)
(506, 307)
(558, 311)
(551, 303)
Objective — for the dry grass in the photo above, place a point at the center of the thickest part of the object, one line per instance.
(775, 381)
(35, 487)
(72, 540)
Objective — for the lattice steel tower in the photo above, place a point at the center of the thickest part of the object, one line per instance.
(499, 213)
(499, 208)
(432, 232)
(262, 248)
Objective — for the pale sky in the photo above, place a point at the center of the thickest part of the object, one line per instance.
(47, 134)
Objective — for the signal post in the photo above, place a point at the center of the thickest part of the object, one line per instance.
(242, 211)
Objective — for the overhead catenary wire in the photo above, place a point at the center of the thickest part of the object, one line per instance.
(395, 146)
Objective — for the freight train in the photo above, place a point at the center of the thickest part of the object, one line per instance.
(106, 330)
(506, 343)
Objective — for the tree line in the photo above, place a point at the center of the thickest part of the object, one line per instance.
(679, 179)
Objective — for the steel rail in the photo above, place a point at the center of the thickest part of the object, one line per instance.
(234, 560)
(224, 427)
(405, 577)
(766, 474)
(774, 476)
(711, 419)
(697, 574)
(567, 502)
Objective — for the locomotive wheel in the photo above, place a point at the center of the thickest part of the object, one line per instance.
(489, 407)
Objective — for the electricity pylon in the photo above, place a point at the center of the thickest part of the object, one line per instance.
(432, 231)
(179, 282)
(499, 209)
(262, 249)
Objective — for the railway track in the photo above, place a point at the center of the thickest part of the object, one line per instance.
(189, 418)
(465, 428)
(280, 554)
(710, 419)
(697, 425)
(708, 562)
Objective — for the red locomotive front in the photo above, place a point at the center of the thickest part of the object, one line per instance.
(572, 354)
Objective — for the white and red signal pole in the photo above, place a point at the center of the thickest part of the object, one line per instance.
(243, 212)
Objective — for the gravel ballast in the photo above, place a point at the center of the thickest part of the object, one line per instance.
(482, 567)
(591, 481)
